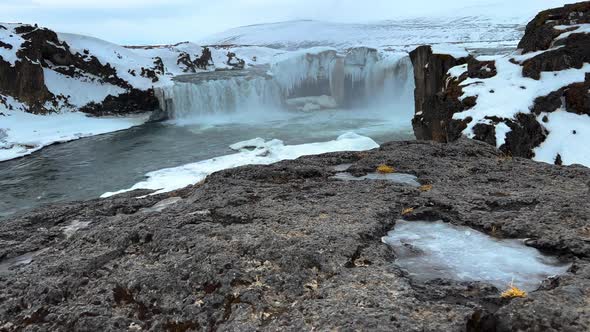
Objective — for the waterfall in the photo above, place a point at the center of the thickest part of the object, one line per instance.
(314, 79)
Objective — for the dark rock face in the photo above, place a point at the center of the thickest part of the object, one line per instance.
(134, 101)
(526, 134)
(285, 247)
(235, 62)
(574, 53)
(430, 73)
(540, 32)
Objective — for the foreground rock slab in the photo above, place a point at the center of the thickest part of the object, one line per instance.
(287, 247)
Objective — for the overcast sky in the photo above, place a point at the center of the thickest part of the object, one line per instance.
(166, 21)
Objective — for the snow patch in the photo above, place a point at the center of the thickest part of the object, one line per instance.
(569, 136)
(568, 30)
(10, 37)
(80, 90)
(510, 89)
(502, 130)
(453, 50)
(457, 70)
(26, 133)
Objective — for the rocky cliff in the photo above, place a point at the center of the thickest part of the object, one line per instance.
(42, 71)
(527, 104)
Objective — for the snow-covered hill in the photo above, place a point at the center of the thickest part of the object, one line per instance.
(473, 31)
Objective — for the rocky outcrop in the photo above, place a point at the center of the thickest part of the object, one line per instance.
(430, 72)
(287, 247)
(201, 63)
(25, 80)
(134, 101)
(440, 93)
(573, 98)
(540, 33)
(123, 80)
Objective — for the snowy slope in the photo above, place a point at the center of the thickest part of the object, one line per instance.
(476, 23)
(399, 34)
(508, 93)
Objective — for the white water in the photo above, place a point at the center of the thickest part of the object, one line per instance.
(430, 250)
(362, 79)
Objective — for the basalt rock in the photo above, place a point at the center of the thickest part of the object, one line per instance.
(133, 101)
(287, 247)
(540, 33)
(574, 54)
(430, 73)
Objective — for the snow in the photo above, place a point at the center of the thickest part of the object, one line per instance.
(457, 70)
(576, 28)
(573, 147)
(269, 152)
(514, 92)
(455, 51)
(8, 36)
(430, 250)
(80, 90)
(126, 60)
(27, 133)
(502, 130)
(249, 144)
(122, 59)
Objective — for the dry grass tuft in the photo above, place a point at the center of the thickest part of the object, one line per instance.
(407, 211)
(513, 292)
(385, 169)
(426, 188)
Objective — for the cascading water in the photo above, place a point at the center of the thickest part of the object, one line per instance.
(321, 78)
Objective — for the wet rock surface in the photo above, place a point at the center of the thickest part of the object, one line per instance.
(287, 247)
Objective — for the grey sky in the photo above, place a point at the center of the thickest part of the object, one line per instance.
(165, 21)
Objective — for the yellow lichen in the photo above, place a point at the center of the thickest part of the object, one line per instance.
(425, 188)
(407, 211)
(385, 169)
(513, 292)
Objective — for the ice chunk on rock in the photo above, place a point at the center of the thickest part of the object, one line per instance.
(249, 144)
(430, 250)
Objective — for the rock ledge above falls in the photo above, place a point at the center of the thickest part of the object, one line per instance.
(286, 247)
